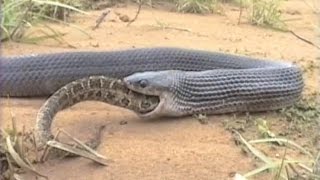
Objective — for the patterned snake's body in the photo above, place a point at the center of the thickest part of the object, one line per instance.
(93, 88)
(223, 83)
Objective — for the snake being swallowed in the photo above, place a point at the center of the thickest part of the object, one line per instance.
(93, 88)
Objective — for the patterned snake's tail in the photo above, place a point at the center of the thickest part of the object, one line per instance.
(96, 88)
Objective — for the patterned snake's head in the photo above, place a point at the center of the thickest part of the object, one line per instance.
(155, 83)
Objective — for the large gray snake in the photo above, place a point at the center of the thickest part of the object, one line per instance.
(189, 81)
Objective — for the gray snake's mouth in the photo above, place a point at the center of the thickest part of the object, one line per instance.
(150, 101)
(149, 104)
(153, 110)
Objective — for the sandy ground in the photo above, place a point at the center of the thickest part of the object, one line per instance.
(180, 148)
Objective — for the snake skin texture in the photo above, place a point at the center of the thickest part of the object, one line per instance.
(186, 81)
(203, 82)
(94, 88)
(44, 74)
(219, 91)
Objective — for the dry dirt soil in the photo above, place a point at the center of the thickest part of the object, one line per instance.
(180, 148)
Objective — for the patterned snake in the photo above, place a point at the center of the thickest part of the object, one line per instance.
(94, 88)
(187, 81)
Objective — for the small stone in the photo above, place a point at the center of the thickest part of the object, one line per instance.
(124, 18)
(123, 122)
(94, 44)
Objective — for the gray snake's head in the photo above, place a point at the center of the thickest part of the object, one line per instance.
(156, 83)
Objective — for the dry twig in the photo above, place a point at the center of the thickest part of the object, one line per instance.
(83, 145)
(240, 13)
(303, 39)
(47, 148)
(65, 147)
(82, 149)
(101, 19)
(137, 14)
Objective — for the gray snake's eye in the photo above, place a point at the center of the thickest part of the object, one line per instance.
(143, 83)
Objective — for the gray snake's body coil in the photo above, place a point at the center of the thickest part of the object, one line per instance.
(223, 83)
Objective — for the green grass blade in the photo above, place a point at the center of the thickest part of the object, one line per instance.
(255, 151)
(56, 3)
(65, 23)
(284, 141)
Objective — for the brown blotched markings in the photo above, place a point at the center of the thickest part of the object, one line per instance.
(94, 88)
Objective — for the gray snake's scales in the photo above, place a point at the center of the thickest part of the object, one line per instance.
(222, 82)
